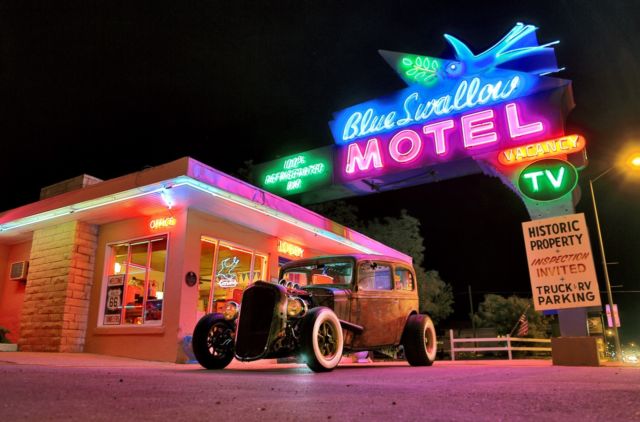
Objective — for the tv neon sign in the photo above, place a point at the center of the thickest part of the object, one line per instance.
(290, 249)
(548, 179)
(553, 147)
(162, 223)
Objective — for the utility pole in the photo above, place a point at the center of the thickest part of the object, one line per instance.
(471, 313)
(616, 336)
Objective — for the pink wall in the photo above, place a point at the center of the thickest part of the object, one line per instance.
(11, 291)
(152, 342)
(164, 342)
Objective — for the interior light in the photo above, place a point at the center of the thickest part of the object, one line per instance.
(116, 268)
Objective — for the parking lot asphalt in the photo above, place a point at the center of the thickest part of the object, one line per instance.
(80, 387)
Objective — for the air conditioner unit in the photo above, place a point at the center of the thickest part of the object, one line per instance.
(19, 270)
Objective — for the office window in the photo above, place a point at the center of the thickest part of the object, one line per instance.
(135, 282)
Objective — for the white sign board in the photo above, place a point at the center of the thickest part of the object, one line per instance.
(561, 263)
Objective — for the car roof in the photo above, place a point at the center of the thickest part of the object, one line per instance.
(357, 257)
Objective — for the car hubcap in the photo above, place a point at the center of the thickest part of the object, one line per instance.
(219, 340)
(327, 340)
(429, 342)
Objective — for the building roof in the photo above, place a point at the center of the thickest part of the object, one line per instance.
(188, 183)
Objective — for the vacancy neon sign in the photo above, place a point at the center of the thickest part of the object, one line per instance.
(550, 148)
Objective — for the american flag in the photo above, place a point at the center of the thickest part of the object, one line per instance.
(523, 328)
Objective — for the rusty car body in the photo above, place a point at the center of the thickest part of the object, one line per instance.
(322, 308)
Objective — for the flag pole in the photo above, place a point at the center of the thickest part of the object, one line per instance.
(518, 321)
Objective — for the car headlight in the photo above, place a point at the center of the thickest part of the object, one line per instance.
(230, 311)
(296, 307)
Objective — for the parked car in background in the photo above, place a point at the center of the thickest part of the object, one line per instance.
(321, 309)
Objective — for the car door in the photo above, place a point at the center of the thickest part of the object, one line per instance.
(374, 305)
(405, 292)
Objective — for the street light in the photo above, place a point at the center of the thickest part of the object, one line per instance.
(633, 161)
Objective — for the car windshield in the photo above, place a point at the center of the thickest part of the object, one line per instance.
(320, 273)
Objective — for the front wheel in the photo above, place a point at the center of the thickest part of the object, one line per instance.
(321, 339)
(419, 341)
(213, 341)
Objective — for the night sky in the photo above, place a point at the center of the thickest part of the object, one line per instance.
(107, 88)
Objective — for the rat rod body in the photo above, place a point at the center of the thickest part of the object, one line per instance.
(322, 307)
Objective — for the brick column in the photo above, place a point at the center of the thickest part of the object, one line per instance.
(56, 300)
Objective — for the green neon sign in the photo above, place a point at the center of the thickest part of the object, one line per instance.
(547, 180)
(296, 173)
(420, 69)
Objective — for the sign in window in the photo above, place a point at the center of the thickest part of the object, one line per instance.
(225, 271)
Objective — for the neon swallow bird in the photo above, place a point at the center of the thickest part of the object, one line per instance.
(518, 50)
(520, 43)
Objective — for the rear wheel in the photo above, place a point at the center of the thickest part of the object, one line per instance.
(213, 341)
(419, 341)
(322, 340)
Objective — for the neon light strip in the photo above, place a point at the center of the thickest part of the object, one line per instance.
(82, 206)
(239, 200)
(182, 181)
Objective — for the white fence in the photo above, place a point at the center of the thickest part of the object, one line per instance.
(508, 347)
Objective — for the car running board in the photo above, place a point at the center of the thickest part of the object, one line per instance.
(355, 329)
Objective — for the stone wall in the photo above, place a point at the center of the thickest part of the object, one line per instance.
(56, 301)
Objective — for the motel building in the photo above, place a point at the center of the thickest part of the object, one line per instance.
(127, 266)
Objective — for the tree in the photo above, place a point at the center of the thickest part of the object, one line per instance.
(436, 296)
(339, 211)
(503, 313)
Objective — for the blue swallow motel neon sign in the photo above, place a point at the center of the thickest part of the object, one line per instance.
(470, 105)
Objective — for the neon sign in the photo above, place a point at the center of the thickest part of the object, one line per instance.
(466, 107)
(548, 179)
(553, 147)
(225, 276)
(296, 173)
(444, 139)
(416, 109)
(161, 223)
(290, 249)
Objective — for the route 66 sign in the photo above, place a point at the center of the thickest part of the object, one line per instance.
(114, 299)
(113, 303)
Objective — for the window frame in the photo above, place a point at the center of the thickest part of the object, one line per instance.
(214, 266)
(413, 276)
(378, 263)
(106, 273)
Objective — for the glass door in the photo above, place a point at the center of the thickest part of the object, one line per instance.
(225, 271)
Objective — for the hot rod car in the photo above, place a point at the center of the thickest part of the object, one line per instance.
(321, 308)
